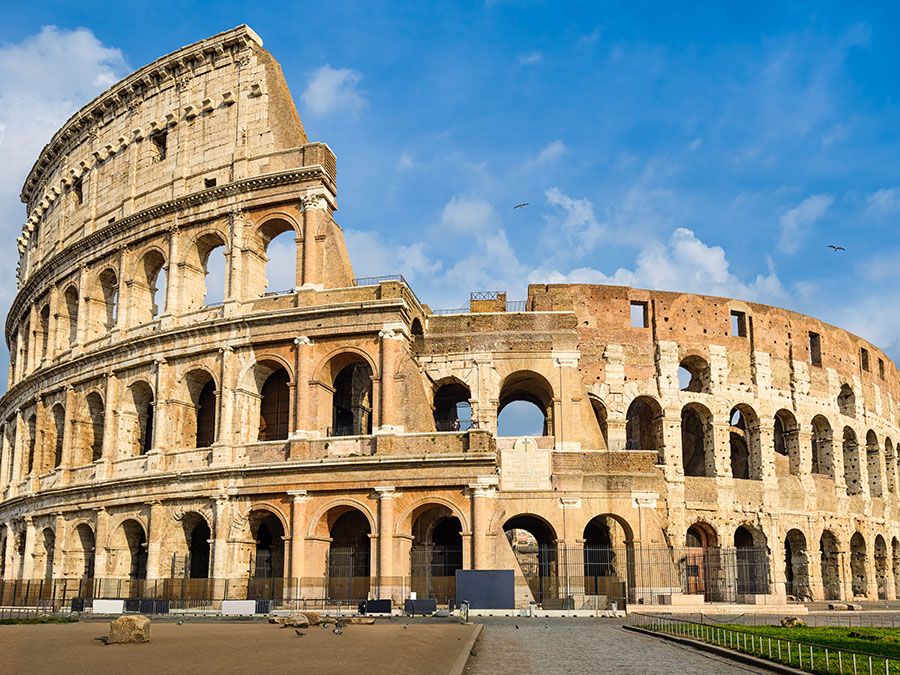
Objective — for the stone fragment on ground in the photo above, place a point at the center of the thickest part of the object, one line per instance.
(792, 622)
(129, 630)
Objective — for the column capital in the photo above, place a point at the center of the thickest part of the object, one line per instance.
(298, 495)
(302, 340)
(385, 491)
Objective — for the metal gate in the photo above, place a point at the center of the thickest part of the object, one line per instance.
(433, 571)
(348, 573)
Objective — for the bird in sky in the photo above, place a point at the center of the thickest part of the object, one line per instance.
(520, 206)
(836, 248)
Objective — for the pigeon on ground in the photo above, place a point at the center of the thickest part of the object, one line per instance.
(338, 631)
(299, 632)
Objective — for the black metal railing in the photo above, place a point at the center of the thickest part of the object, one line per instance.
(374, 281)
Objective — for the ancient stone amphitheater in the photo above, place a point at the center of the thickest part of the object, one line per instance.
(338, 440)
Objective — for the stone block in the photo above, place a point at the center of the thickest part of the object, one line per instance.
(129, 630)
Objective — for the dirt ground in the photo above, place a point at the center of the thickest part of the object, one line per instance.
(236, 648)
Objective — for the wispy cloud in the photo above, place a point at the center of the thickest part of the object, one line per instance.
(531, 58)
(886, 200)
(552, 151)
(797, 221)
(333, 90)
(405, 161)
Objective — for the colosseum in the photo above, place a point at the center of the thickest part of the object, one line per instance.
(338, 440)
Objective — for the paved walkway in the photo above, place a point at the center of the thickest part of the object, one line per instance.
(573, 646)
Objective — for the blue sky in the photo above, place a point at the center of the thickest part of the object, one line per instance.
(712, 148)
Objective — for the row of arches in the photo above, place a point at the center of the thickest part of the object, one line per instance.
(93, 305)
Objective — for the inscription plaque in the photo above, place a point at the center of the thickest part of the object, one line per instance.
(525, 466)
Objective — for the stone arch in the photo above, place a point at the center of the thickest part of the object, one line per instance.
(873, 464)
(350, 373)
(895, 564)
(199, 425)
(44, 330)
(701, 535)
(452, 405)
(320, 523)
(70, 313)
(694, 374)
(881, 567)
(846, 401)
(91, 438)
(697, 446)
(58, 413)
(744, 443)
(890, 467)
(796, 565)
(349, 531)
(644, 426)
(196, 533)
(404, 523)
(751, 556)
(80, 551)
(269, 532)
(199, 292)
(150, 300)
(530, 388)
(282, 228)
(436, 549)
(850, 448)
(31, 429)
(858, 564)
(129, 549)
(601, 417)
(136, 420)
(822, 451)
(786, 438)
(608, 555)
(533, 542)
(830, 554)
(43, 554)
(105, 302)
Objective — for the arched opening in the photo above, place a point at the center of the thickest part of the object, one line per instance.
(44, 327)
(851, 462)
(602, 418)
(32, 441)
(418, 335)
(80, 555)
(349, 554)
(821, 438)
(697, 441)
(59, 433)
(846, 401)
(155, 278)
(197, 536)
(533, 542)
(267, 569)
(881, 567)
(890, 466)
(275, 406)
(796, 566)
(751, 556)
(859, 581)
(452, 409)
(279, 242)
(525, 405)
(873, 463)
(202, 391)
(109, 299)
(48, 546)
(131, 553)
(608, 559)
(436, 552)
(351, 413)
(694, 375)
(895, 564)
(141, 415)
(830, 554)
(70, 304)
(743, 438)
(703, 563)
(644, 427)
(209, 273)
(786, 437)
(93, 448)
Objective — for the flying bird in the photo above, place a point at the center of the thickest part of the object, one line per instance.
(520, 206)
(836, 248)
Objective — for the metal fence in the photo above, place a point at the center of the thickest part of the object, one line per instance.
(800, 654)
(433, 571)
(596, 577)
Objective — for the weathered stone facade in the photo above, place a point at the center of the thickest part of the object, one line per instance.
(147, 435)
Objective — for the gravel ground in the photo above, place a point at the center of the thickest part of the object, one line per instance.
(585, 646)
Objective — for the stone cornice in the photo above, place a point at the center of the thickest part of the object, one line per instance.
(230, 42)
(48, 272)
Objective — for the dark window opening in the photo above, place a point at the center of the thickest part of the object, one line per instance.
(274, 409)
(815, 349)
(639, 315)
(738, 324)
(78, 191)
(206, 415)
(209, 182)
(159, 145)
(881, 368)
(864, 358)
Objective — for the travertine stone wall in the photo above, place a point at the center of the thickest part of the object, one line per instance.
(140, 420)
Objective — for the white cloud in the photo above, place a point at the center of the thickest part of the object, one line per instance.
(684, 263)
(463, 214)
(405, 161)
(572, 230)
(333, 90)
(796, 222)
(695, 144)
(43, 80)
(372, 256)
(531, 58)
(886, 200)
(550, 152)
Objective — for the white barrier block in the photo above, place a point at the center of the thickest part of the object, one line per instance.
(239, 607)
(109, 606)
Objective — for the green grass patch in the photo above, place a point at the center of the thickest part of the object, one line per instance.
(818, 645)
(39, 619)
